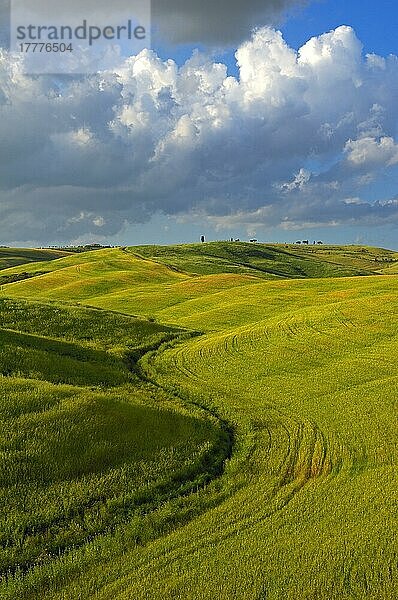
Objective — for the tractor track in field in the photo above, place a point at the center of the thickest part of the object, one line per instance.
(147, 377)
(195, 481)
(308, 455)
(282, 496)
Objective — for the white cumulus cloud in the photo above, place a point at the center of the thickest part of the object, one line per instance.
(283, 144)
(372, 152)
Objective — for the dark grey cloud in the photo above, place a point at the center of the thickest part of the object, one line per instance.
(222, 22)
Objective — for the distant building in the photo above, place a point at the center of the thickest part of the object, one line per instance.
(202, 239)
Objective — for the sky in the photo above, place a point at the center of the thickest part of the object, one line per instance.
(270, 119)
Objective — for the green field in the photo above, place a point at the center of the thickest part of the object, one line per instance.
(12, 257)
(214, 421)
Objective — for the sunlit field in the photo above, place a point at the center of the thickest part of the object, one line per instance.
(12, 257)
(200, 422)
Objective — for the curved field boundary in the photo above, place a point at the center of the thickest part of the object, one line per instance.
(50, 538)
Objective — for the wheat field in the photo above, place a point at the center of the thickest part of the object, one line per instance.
(200, 422)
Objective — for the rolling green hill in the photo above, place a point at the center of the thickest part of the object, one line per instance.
(144, 279)
(81, 276)
(241, 444)
(271, 260)
(87, 446)
(392, 267)
(13, 257)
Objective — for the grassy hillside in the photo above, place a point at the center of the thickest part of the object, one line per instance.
(271, 260)
(12, 257)
(147, 279)
(118, 480)
(392, 267)
(81, 276)
(88, 447)
(312, 392)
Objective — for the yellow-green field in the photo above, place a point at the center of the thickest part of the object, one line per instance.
(12, 257)
(220, 423)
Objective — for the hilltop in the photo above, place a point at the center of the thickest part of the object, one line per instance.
(146, 279)
(271, 260)
(11, 257)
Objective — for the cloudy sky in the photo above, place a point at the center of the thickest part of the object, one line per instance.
(261, 118)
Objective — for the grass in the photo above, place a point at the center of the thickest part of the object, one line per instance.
(146, 280)
(112, 486)
(314, 390)
(79, 277)
(13, 257)
(86, 445)
(271, 260)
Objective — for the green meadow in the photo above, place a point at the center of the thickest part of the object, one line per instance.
(12, 257)
(214, 421)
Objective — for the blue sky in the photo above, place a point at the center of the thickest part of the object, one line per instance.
(300, 141)
(375, 23)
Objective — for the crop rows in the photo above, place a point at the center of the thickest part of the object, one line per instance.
(299, 374)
